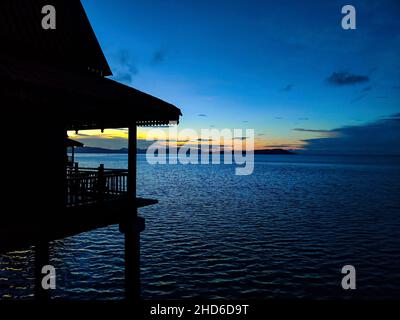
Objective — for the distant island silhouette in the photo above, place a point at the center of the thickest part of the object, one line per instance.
(274, 151)
(142, 151)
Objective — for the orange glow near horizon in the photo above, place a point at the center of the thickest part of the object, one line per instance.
(92, 137)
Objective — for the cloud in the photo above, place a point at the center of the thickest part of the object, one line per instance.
(159, 57)
(379, 137)
(303, 119)
(393, 117)
(345, 79)
(126, 61)
(204, 140)
(364, 93)
(125, 67)
(285, 146)
(366, 89)
(359, 98)
(82, 135)
(102, 142)
(202, 115)
(173, 140)
(288, 88)
(123, 77)
(312, 130)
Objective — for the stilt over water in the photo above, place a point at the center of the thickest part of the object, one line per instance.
(131, 229)
(56, 83)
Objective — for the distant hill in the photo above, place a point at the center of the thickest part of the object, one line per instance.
(141, 151)
(99, 150)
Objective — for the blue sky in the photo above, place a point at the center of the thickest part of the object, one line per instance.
(274, 66)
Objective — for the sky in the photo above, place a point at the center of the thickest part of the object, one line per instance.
(284, 68)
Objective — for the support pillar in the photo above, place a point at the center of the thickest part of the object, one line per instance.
(130, 226)
(132, 230)
(132, 165)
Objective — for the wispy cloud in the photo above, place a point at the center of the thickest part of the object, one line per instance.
(159, 56)
(346, 79)
(285, 146)
(312, 130)
(287, 88)
(364, 93)
(126, 61)
(173, 140)
(359, 98)
(379, 137)
(393, 117)
(202, 115)
(103, 142)
(366, 89)
(204, 140)
(125, 68)
(124, 77)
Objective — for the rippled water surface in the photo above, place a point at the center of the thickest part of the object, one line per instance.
(283, 232)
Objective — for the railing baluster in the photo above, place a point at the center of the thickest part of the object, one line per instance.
(87, 185)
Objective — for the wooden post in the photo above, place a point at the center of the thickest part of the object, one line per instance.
(130, 226)
(76, 166)
(132, 260)
(73, 154)
(42, 258)
(132, 164)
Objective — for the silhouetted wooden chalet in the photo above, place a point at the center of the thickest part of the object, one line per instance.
(53, 81)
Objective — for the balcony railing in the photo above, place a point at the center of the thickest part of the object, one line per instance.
(90, 185)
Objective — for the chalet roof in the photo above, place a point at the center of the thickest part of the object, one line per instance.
(65, 69)
(82, 100)
(72, 43)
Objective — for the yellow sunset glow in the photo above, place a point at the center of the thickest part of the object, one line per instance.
(89, 137)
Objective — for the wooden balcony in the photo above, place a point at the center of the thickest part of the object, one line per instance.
(94, 185)
(95, 198)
